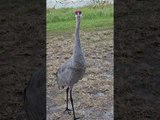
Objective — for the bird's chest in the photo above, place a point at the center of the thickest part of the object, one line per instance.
(77, 74)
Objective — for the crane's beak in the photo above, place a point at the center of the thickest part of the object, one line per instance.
(78, 15)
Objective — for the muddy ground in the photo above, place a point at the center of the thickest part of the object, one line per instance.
(93, 95)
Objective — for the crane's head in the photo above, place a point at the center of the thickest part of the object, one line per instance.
(78, 13)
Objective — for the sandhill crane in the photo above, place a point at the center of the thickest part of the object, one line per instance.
(34, 107)
(73, 69)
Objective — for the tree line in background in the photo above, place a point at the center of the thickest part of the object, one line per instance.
(92, 3)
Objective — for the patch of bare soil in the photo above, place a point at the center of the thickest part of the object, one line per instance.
(137, 71)
(22, 51)
(93, 95)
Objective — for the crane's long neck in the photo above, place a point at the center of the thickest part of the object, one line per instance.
(77, 45)
(78, 58)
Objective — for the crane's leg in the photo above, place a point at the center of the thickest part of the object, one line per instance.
(67, 110)
(74, 117)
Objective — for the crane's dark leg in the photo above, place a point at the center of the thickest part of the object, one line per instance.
(67, 98)
(67, 110)
(74, 117)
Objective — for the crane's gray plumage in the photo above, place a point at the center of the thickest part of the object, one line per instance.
(73, 69)
(35, 98)
(69, 73)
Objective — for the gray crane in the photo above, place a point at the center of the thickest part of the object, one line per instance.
(73, 69)
(34, 107)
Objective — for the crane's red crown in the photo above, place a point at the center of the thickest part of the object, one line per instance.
(78, 11)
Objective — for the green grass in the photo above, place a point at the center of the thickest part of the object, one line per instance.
(94, 18)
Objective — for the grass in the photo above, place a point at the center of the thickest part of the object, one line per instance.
(63, 20)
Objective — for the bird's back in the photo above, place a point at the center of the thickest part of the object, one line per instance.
(69, 74)
(35, 98)
(34, 103)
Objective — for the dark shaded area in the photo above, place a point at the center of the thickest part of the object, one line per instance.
(137, 60)
(23, 51)
(34, 107)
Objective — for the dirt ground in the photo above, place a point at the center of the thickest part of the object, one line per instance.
(21, 52)
(93, 95)
(137, 71)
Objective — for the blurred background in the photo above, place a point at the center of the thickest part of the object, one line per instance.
(97, 14)
(74, 3)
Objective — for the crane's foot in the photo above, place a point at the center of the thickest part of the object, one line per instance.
(67, 111)
(76, 118)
